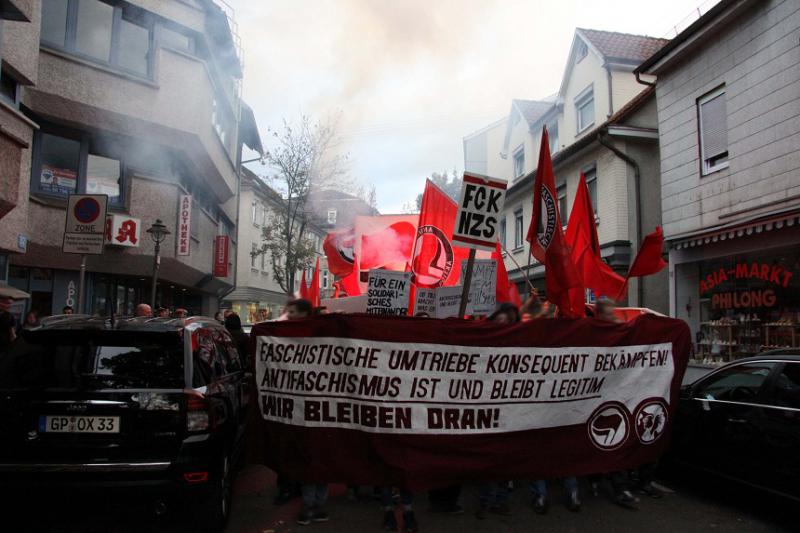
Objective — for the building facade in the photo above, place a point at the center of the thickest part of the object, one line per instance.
(138, 100)
(728, 105)
(602, 123)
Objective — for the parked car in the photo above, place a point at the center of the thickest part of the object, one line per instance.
(153, 404)
(742, 422)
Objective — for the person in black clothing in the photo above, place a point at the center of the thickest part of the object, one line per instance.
(241, 339)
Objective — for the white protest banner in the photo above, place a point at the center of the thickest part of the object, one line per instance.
(184, 240)
(425, 302)
(479, 209)
(388, 292)
(348, 304)
(448, 299)
(482, 287)
(85, 228)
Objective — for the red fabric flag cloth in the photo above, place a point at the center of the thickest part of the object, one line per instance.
(648, 258)
(350, 282)
(313, 289)
(505, 291)
(338, 247)
(436, 262)
(547, 238)
(581, 236)
(304, 287)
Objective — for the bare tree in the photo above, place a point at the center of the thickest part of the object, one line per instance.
(451, 185)
(305, 160)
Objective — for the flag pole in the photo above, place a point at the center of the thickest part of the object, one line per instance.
(462, 309)
(524, 272)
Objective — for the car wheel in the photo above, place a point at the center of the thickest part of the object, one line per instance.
(216, 508)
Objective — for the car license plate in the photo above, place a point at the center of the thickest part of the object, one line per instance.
(78, 424)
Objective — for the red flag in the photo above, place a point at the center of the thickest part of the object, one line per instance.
(304, 287)
(648, 258)
(388, 248)
(350, 282)
(505, 291)
(338, 247)
(547, 239)
(436, 262)
(313, 289)
(581, 236)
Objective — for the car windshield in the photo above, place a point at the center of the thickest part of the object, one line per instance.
(93, 359)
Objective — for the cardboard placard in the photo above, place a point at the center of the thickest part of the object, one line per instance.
(425, 301)
(388, 292)
(479, 211)
(482, 290)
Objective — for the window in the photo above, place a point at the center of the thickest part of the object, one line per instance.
(584, 109)
(561, 192)
(591, 184)
(552, 130)
(331, 216)
(324, 279)
(519, 162)
(583, 50)
(255, 213)
(253, 255)
(738, 383)
(263, 261)
(503, 233)
(177, 41)
(518, 228)
(98, 31)
(8, 88)
(224, 125)
(713, 123)
(71, 163)
(786, 392)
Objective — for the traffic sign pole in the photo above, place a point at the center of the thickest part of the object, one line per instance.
(462, 308)
(81, 281)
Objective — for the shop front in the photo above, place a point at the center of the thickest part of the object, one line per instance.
(255, 305)
(740, 296)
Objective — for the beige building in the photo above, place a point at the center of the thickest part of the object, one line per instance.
(138, 100)
(728, 106)
(601, 123)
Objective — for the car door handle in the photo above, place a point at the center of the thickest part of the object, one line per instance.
(737, 420)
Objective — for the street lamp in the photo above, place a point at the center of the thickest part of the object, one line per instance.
(158, 232)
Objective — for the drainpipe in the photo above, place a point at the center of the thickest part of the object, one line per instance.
(636, 183)
(643, 82)
(610, 95)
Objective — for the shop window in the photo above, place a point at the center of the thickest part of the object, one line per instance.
(170, 38)
(67, 165)
(712, 113)
(100, 32)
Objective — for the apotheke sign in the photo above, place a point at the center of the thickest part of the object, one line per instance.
(184, 239)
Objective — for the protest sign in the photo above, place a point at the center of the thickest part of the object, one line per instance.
(448, 300)
(482, 287)
(377, 400)
(425, 301)
(388, 292)
(348, 304)
(479, 211)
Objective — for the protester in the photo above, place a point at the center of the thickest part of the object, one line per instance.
(31, 321)
(241, 339)
(162, 312)
(315, 495)
(143, 310)
(539, 492)
(67, 310)
(180, 312)
(218, 316)
(389, 517)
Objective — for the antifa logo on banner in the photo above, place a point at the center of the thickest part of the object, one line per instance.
(433, 273)
(608, 426)
(547, 224)
(651, 420)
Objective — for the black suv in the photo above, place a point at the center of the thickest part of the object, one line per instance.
(144, 403)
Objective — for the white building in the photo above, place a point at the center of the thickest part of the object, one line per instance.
(728, 106)
(601, 123)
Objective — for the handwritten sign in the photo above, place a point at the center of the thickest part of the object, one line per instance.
(388, 292)
(482, 289)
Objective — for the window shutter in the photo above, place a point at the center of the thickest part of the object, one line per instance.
(714, 127)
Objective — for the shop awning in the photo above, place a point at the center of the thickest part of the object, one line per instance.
(740, 228)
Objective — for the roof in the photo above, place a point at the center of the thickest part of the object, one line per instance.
(589, 137)
(531, 110)
(695, 28)
(623, 46)
(249, 130)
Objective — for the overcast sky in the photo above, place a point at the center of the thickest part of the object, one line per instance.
(411, 78)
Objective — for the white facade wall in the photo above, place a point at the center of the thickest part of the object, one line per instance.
(588, 72)
(756, 59)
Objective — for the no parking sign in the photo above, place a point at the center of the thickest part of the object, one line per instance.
(84, 231)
